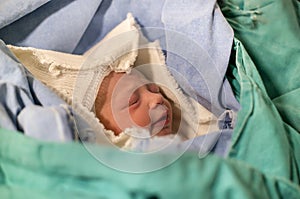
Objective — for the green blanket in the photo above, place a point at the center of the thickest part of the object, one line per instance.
(264, 160)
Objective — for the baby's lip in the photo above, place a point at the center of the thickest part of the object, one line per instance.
(164, 118)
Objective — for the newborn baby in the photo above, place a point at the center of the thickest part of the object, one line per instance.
(130, 100)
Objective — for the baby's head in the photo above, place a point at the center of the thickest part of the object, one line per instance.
(130, 100)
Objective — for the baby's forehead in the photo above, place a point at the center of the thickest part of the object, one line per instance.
(120, 82)
(132, 79)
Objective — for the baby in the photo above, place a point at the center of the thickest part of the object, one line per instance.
(130, 100)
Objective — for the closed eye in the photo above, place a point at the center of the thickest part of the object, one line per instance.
(133, 100)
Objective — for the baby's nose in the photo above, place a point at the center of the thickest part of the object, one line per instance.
(155, 100)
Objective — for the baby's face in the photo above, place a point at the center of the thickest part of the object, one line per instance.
(130, 100)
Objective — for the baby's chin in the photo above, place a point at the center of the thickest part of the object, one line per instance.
(162, 129)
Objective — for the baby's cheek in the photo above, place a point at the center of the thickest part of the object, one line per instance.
(122, 119)
(140, 117)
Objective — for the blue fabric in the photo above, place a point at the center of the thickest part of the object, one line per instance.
(112, 12)
(11, 10)
(25, 103)
(200, 40)
(217, 143)
(57, 25)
